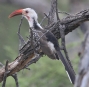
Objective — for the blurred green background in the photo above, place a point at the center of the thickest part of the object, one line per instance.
(46, 72)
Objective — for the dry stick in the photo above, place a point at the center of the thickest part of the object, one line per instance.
(62, 12)
(64, 46)
(81, 12)
(21, 40)
(5, 74)
(1, 64)
(62, 28)
(46, 16)
(20, 24)
(42, 20)
(82, 78)
(57, 11)
(51, 12)
(27, 68)
(16, 79)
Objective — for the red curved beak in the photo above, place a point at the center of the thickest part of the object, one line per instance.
(16, 12)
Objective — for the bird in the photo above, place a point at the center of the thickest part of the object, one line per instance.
(48, 42)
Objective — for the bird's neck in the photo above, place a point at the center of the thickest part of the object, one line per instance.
(34, 24)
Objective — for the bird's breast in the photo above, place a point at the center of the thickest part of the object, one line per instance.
(51, 46)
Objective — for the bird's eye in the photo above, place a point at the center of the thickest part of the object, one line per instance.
(26, 11)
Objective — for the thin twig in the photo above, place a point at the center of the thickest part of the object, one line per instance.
(21, 40)
(52, 12)
(57, 11)
(16, 79)
(27, 68)
(62, 34)
(1, 64)
(46, 16)
(64, 13)
(42, 20)
(20, 24)
(81, 12)
(82, 78)
(5, 74)
(63, 37)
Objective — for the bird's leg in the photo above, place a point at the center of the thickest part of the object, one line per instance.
(21, 40)
(16, 79)
(5, 74)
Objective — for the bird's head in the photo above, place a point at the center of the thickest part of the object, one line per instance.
(28, 13)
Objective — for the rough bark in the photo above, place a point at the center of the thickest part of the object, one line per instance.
(82, 78)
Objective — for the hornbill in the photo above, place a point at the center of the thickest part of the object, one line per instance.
(48, 42)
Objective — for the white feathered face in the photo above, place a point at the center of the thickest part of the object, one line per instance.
(29, 13)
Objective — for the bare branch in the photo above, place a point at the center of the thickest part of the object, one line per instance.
(52, 12)
(64, 13)
(5, 74)
(82, 79)
(21, 40)
(16, 79)
(1, 64)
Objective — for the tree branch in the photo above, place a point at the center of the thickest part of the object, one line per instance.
(82, 78)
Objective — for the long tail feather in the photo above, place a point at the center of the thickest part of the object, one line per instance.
(68, 68)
